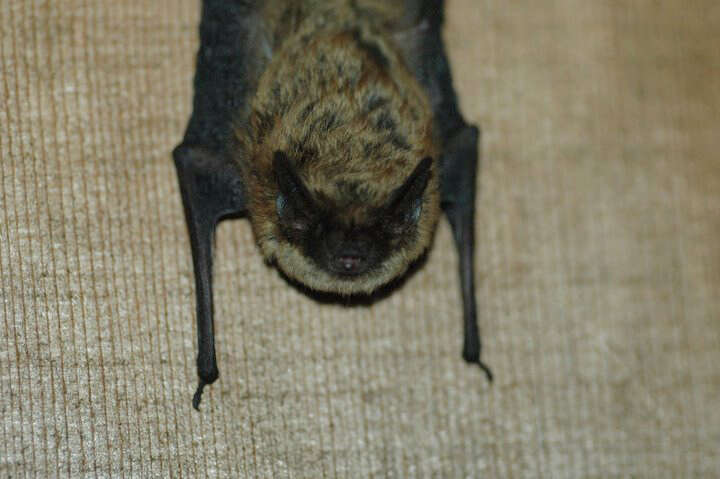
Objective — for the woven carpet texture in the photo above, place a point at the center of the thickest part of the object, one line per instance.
(598, 265)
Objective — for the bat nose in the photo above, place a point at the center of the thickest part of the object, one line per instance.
(348, 254)
(349, 264)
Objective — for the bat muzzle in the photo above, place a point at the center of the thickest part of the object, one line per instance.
(349, 264)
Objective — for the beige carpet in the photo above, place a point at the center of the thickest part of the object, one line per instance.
(598, 265)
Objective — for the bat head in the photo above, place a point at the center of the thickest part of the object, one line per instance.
(343, 241)
(336, 157)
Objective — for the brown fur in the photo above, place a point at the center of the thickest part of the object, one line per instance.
(337, 98)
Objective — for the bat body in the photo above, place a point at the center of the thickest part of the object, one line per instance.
(333, 126)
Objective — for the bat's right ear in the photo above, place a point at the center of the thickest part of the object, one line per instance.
(295, 205)
(405, 205)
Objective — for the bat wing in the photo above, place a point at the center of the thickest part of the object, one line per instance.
(231, 56)
(424, 52)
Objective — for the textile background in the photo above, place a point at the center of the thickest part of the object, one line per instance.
(598, 265)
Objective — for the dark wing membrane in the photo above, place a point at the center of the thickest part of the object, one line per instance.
(233, 51)
(420, 40)
(424, 52)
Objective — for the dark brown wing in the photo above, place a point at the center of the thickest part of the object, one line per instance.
(420, 40)
(233, 51)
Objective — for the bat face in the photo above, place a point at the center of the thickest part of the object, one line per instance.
(345, 244)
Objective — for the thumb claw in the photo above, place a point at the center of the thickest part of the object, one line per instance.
(198, 395)
(486, 370)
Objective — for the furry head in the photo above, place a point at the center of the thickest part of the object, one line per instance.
(338, 159)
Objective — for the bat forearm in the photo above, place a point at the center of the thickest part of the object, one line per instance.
(459, 191)
(209, 191)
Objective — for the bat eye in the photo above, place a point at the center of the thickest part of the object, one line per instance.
(414, 215)
(404, 208)
(400, 224)
(289, 216)
(280, 204)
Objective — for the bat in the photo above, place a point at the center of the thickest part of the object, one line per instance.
(333, 126)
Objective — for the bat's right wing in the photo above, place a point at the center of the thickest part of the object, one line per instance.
(424, 52)
(233, 52)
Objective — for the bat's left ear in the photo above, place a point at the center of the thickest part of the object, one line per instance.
(295, 205)
(405, 205)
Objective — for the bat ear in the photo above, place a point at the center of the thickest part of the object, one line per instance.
(405, 205)
(295, 205)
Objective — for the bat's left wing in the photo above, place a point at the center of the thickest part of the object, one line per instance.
(232, 53)
(424, 52)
